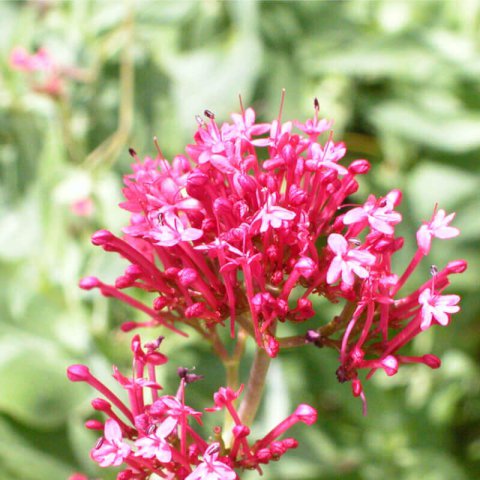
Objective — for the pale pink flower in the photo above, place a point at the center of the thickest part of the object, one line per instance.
(211, 468)
(83, 207)
(437, 307)
(379, 214)
(173, 231)
(347, 262)
(437, 227)
(112, 450)
(272, 215)
(327, 156)
(156, 445)
(20, 59)
(245, 124)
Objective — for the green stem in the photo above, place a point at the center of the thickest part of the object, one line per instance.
(256, 383)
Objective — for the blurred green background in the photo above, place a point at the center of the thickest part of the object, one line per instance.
(401, 80)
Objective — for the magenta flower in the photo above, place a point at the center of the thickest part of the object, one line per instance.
(156, 445)
(437, 307)
(112, 451)
(347, 261)
(211, 468)
(437, 227)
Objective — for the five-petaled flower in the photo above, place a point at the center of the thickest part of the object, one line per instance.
(155, 445)
(211, 468)
(437, 227)
(112, 450)
(347, 261)
(437, 307)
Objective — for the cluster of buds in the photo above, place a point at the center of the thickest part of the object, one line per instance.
(255, 212)
(46, 74)
(152, 433)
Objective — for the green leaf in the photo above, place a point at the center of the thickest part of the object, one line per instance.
(35, 389)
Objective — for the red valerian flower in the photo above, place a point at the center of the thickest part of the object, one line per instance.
(253, 224)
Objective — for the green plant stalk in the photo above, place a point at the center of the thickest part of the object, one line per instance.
(256, 383)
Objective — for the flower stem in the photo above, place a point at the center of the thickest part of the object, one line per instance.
(256, 382)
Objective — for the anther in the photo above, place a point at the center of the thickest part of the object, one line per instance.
(209, 114)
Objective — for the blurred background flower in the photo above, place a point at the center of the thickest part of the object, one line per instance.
(400, 80)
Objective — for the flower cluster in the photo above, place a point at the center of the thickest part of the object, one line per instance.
(152, 433)
(255, 212)
(47, 75)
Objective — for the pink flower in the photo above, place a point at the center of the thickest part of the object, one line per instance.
(83, 207)
(347, 262)
(174, 231)
(437, 227)
(211, 468)
(272, 216)
(327, 157)
(155, 445)
(20, 59)
(112, 450)
(378, 213)
(437, 307)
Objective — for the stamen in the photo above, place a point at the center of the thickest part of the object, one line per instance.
(241, 104)
(157, 146)
(209, 114)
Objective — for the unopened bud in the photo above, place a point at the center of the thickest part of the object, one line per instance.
(78, 373)
(432, 361)
(94, 424)
(195, 310)
(306, 414)
(456, 266)
(187, 276)
(101, 405)
(87, 283)
(359, 167)
(101, 237)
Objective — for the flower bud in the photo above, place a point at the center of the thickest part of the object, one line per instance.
(78, 373)
(456, 266)
(101, 405)
(102, 237)
(432, 361)
(94, 425)
(187, 276)
(359, 167)
(240, 431)
(87, 283)
(159, 303)
(297, 196)
(195, 310)
(306, 414)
